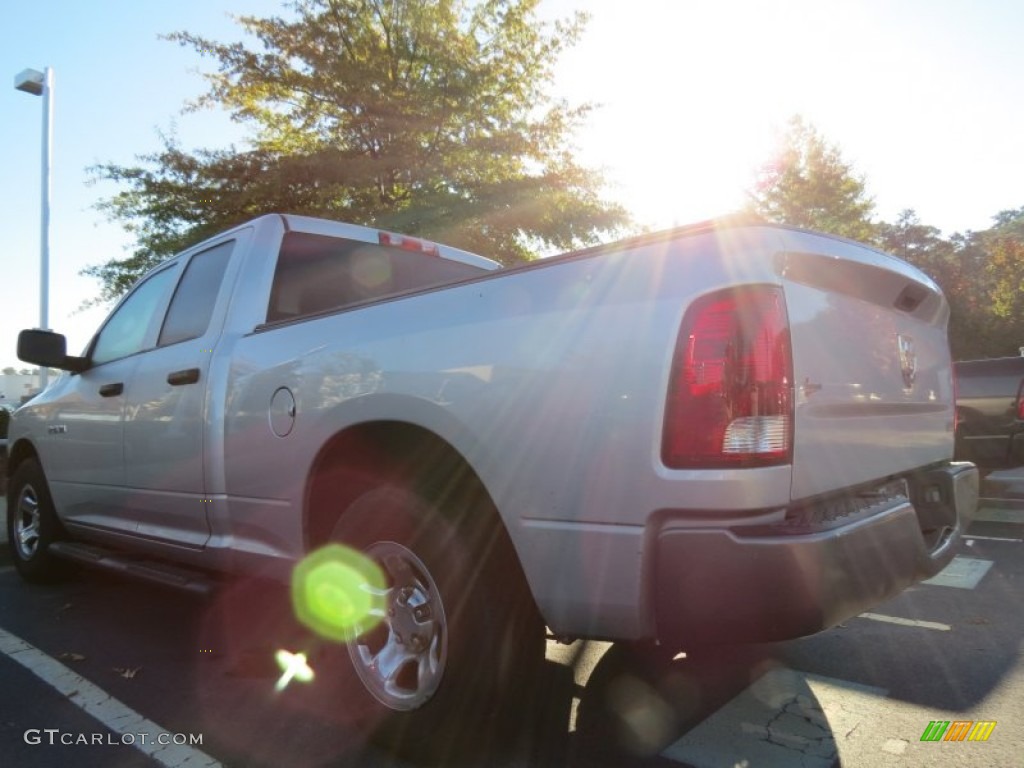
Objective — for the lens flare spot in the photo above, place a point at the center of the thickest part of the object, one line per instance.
(370, 269)
(293, 667)
(338, 592)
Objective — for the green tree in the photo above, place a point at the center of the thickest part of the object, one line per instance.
(981, 274)
(9, 371)
(1004, 278)
(944, 260)
(427, 118)
(920, 244)
(989, 294)
(808, 184)
(1006, 271)
(948, 262)
(1009, 223)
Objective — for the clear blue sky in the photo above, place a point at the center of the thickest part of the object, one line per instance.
(923, 97)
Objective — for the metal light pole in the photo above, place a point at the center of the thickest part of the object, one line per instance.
(41, 84)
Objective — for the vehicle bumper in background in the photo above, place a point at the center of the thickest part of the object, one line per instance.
(993, 452)
(764, 583)
(1017, 450)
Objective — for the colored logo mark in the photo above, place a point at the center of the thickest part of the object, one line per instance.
(958, 730)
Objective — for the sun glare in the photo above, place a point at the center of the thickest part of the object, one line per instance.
(687, 116)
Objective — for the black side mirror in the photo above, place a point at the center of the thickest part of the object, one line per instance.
(48, 349)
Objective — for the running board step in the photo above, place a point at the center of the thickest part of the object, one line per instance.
(152, 571)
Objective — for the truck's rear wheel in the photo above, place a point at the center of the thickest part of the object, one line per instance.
(32, 525)
(461, 639)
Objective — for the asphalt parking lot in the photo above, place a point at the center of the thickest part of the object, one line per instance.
(126, 666)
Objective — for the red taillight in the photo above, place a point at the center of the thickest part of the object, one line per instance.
(408, 243)
(730, 400)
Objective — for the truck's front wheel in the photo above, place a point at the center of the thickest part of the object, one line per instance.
(460, 637)
(32, 525)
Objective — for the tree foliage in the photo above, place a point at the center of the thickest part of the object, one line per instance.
(944, 261)
(981, 274)
(997, 257)
(808, 184)
(427, 118)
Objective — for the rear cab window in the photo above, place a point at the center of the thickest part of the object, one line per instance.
(318, 273)
(196, 295)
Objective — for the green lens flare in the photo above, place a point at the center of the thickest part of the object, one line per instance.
(338, 592)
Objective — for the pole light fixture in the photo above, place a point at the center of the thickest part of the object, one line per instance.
(41, 84)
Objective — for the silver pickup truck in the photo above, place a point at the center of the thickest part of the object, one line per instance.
(723, 432)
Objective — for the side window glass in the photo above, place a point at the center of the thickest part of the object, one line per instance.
(125, 332)
(192, 306)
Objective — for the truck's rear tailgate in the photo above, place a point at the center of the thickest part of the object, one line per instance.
(872, 371)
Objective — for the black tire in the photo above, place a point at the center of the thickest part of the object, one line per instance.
(465, 661)
(32, 525)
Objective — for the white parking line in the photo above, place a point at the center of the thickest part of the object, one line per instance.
(92, 699)
(906, 622)
(962, 573)
(999, 515)
(990, 538)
